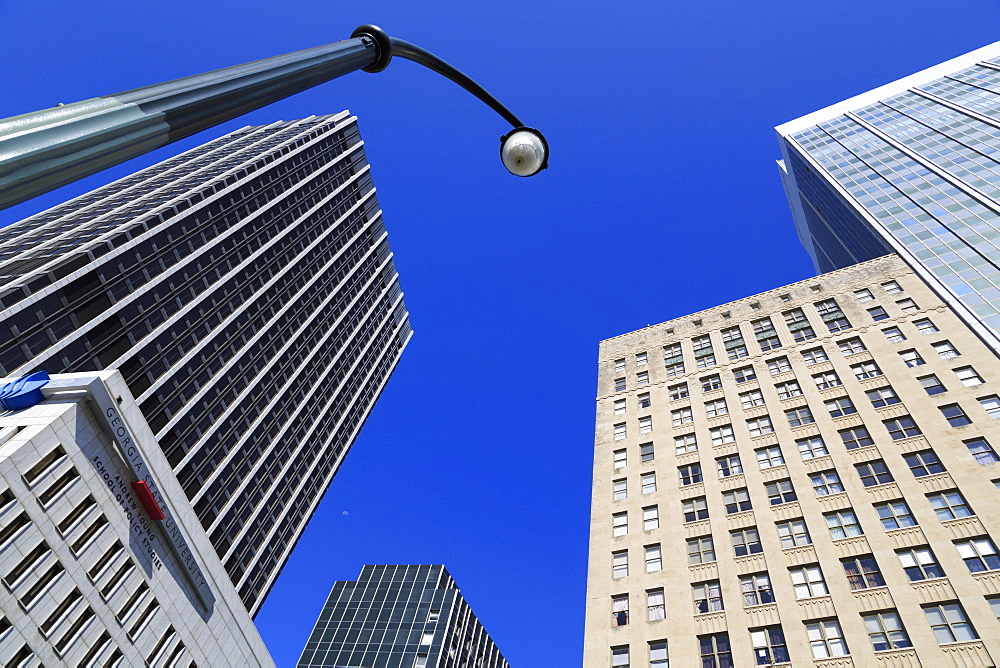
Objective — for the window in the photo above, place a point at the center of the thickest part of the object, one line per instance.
(793, 533)
(864, 295)
(744, 374)
(767, 338)
(831, 314)
(911, 358)
(723, 434)
(716, 408)
(678, 391)
(642, 378)
(620, 459)
(756, 589)
(710, 383)
(862, 572)
(873, 473)
(840, 407)
(814, 356)
(620, 488)
(851, 346)
(658, 652)
(780, 491)
(619, 384)
(653, 561)
(736, 347)
(685, 443)
(979, 554)
(654, 605)
(894, 334)
(736, 500)
(690, 474)
(648, 483)
(730, 465)
(650, 518)
(902, 427)
(421, 661)
(645, 425)
(640, 359)
(955, 415)
(856, 437)
(759, 426)
(672, 353)
(695, 509)
(945, 350)
(746, 541)
(788, 390)
(995, 606)
(700, 550)
(799, 325)
(991, 405)
(619, 610)
(707, 597)
(674, 370)
(892, 287)
(704, 356)
(620, 365)
(619, 564)
(866, 370)
(919, 563)
(842, 524)
(808, 581)
(799, 416)
(883, 396)
(769, 456)
(895, 515)
(619, 523)
(932, 385)
(908, 305)
(644, 400)
(885, 630)
(769, 645)
(811, 447)
(925, 326)
(949, 623)
(982, 451)
(715, 651)
(878, 313)
(619, 657)
(826, 482)
(824, 381)
(949, 505)
(754, 398)
(619, 407)
(924, 462)
(646, 452)
(620, 431)
(682, 416)
(778, 365)
(968, 376)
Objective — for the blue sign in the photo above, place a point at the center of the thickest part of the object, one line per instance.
(24, 392)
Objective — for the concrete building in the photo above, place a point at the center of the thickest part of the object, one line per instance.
(399, 617)
(804, 477)
(96, 568)
(912, 168)
(246, 291)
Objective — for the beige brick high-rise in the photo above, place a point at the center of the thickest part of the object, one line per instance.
(803, 477)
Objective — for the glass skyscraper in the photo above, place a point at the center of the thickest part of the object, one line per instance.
(399, 617)
(911, 167)
(246, 291)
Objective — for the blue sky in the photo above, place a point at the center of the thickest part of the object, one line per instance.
(660, 118)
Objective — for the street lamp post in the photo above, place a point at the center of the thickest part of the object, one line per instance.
(46, 149)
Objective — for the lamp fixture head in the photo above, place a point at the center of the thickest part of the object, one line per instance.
(524, 151)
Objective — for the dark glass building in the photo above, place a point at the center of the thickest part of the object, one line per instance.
(246, 291)
(399, 617)
(911, 167)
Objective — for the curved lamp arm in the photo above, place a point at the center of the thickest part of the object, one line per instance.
(44, 150)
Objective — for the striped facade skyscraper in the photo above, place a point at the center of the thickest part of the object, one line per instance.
(911, 167)
(247, 293)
